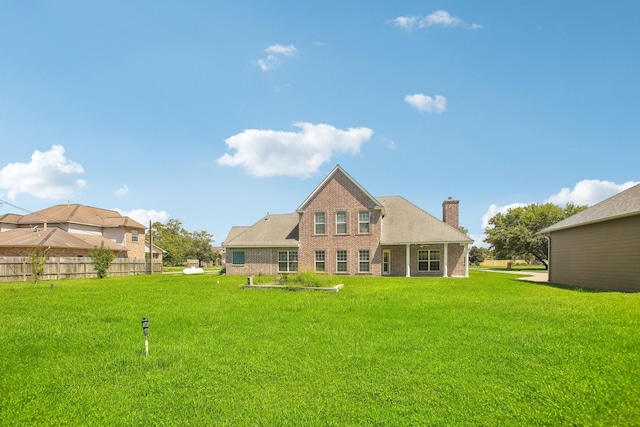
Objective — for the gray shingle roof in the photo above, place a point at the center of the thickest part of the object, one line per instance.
(405, 223)
(271, 231)
(623, 204)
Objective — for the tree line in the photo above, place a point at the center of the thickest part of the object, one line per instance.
(179, 244)
(514, 234)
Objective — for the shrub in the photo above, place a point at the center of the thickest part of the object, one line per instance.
(38, 259)
(101, 257)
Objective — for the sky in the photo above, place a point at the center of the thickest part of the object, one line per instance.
(216, 113)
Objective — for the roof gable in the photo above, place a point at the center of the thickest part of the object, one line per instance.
(337, 173)
(626, 203)
(405, 223)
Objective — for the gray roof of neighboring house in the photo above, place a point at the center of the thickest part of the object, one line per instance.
(405, 223)
(623, 204)
(80, 214)
(56, 238)
(271, 231)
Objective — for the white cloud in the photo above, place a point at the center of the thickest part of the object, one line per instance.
(282, 50)
(121, 192)
(495, 209)
(143, 216)
(438, 18)
(275, 52)
(406, 22)
(272, 153)
(588, 192)
(48, 175)
(437, 104)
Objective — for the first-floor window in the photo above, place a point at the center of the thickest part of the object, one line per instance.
(428, 260)
(237, 258)
(363, 262)
(341, 261)
(287, 261)
(320, 261)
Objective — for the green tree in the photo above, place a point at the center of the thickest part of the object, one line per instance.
(181, 244)
(201, 246)
(101, 257)
(38, 260)
(514, 234)
(477, 255)
(171, 237)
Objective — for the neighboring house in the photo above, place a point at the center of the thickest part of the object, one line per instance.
(600, 246)
(342, 229)
(71, 230)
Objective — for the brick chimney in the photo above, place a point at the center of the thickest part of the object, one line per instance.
(450, 212)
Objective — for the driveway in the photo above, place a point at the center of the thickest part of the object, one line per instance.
(532, 276)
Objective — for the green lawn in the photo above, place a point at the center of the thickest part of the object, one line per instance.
(488, 350)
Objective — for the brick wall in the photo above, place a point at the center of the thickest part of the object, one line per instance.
(257, 261)
(340, 194)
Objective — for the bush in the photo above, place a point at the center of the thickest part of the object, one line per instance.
(38, 259)
(101, 258)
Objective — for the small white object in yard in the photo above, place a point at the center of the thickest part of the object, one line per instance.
(193, 270)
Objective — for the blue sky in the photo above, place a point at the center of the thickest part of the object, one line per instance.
(215, 113)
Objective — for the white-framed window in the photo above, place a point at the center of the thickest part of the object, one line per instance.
(428, 260)
(320, 261)
(364, 218)
(287, 261)
(341, 222)
(341, 261)
(237, 258)
(134, 236)
(320, 223)
(364, 264)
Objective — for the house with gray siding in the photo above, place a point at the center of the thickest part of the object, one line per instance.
(599, 247)
(342, 229)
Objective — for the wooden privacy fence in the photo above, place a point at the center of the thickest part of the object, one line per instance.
(18, 269)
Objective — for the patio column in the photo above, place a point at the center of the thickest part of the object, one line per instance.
(466, 260)
(445, 270)
(408, 262)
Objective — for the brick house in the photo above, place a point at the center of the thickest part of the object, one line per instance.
(71, 230)
(342, 229)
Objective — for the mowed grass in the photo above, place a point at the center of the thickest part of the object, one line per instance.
(487, 350)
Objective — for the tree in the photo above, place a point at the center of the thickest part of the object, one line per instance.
(477, 255)
(38, 260)
(514, 234)
(101, 257)
(181, 244)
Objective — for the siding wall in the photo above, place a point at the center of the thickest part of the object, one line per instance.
(603, 256)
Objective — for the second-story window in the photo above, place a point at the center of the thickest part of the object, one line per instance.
(320, 223)
(364, 218)
(341, 222)
(134, 236)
